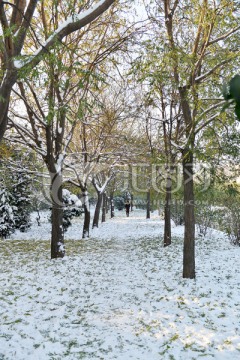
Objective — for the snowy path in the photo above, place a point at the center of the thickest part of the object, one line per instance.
(121, 227)
(119, 295)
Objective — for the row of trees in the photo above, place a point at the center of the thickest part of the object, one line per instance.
(184, 87)
(92, 95)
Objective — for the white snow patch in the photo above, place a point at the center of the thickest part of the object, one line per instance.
(118, 295)
(59, 164)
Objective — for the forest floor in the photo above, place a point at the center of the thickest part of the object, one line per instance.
(118, 295)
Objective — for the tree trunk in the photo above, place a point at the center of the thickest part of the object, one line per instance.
(9, 80)
(131, 202)
(57, 238)
(189, 219)
(107, 204)
(97, 210)
(86, 224)
(104, 200)
(148, 204)
(4, 124)
(111, 206)
(167, 213)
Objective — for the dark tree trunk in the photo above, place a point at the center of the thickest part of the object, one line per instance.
(167, 213)
(189, 219)
(86, 223)
(131, 202)
(57, 238)
(148, 204)
(10, 79)
(188, 185)
(97, 210)
(111, 206)
(4, 124)
(107, 204)
(104, 201)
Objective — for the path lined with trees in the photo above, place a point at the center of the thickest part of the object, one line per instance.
(108, 105)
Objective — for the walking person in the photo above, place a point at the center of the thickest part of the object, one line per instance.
(127, 207)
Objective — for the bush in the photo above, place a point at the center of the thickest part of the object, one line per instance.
(233, 223)
(7, 223)
(20, 200)
(231, 218)
(72, 208)
(119, 202)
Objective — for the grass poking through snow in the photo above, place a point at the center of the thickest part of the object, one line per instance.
(116, 297)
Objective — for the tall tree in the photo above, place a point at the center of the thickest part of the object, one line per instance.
(194, 32)
(98, 143)
(54, 96)
(17, 29)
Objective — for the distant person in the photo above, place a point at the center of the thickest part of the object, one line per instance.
(127, 207)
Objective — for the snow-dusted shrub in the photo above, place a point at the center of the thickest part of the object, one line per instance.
(204, 217)
(17, 183)
(7, 223)
(232, 223)
(20, 200)
(72, 207)
(14, 203)
(119, 202)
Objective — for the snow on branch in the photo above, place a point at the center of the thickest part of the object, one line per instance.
(204, 76)
(72, 24)
(224, 36)
(102, 188)
(177, 146)
(211, 119)
(208, 110)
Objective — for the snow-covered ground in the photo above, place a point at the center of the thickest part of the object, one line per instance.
(118, 295)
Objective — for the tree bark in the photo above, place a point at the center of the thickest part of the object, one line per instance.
(5, 92)
(167, 213)
(148, 204)
(86, 223)
(189, 218)
(188, 189)
(111, 206)
(3, 125)
(104, 200)
(131, 202)
(97, 210)
(57, 238)
(107, 204)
